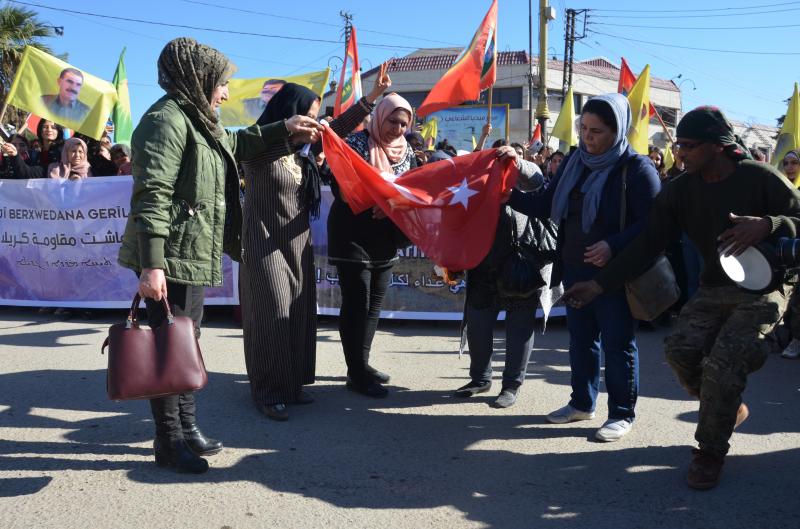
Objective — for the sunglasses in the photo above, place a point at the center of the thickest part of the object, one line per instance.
(689, 145)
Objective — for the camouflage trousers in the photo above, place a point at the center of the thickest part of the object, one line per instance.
(722, 335)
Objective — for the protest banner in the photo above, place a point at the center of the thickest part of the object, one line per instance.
(459, 124)
(60, 240)
(52, 89)
(247, 98)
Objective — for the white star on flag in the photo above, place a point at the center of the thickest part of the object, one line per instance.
(461, 194)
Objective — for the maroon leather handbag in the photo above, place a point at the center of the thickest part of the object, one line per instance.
(145, 363)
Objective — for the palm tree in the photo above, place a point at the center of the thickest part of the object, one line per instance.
(19, 27)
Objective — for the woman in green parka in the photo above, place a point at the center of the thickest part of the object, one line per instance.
(185, 212)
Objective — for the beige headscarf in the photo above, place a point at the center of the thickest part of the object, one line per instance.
(383, 152)
(189, 72)
(65, 169)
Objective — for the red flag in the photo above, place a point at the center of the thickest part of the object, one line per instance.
(473, 70)
(537, 134)
(449, 209)
(626, 81)
(31, 124)
(348, 92)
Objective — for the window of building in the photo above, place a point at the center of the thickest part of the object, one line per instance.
(501, 96)
(415, 99)
(669, 115)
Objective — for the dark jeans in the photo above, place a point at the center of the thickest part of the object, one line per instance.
(172, 411)
(363, 289)
(519, 344)
(606, 323)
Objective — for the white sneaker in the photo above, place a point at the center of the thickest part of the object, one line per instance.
(792, 350)
(568, 414)
(613, 430)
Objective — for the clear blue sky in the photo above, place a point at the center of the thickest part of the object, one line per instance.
(747, 87)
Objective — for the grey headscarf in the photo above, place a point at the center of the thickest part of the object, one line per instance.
(600, 166)
(189, 72)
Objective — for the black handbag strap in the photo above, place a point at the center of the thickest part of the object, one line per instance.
(624, 202)
(514, 235)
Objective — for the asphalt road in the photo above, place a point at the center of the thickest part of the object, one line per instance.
(69, 458)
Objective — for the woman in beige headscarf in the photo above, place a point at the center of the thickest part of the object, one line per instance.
(74, 164)
(364, 247)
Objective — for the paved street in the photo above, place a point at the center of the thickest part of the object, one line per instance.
(69, 458)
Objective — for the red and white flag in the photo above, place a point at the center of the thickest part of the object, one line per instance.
(449, 209)
(348, 91)
(474, 69)
(536, 144)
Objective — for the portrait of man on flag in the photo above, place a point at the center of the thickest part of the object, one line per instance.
(55, 90)
(247, 98)
(254, 106)
(66, 103)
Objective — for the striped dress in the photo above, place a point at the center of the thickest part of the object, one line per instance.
(276, 281)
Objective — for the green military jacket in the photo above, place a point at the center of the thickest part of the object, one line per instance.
(181, 177)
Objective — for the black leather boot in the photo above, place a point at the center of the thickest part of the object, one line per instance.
(176, 454)
(199, 443)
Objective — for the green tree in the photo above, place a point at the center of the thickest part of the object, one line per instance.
(19, 27)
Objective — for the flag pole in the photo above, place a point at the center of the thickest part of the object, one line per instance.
(489, 106)
(669, 135)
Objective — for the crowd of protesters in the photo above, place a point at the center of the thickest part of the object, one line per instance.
(592, 217)
(50, 154)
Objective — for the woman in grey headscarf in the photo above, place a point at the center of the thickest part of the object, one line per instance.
(185, 212)
(585, 199)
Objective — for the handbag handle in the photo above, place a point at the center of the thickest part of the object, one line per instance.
(133, 319)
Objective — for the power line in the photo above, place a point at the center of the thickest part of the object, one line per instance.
(750, 13)
(741, 52)
(213, 30)
(161, 40)
(704, 73)
(793, 26)
(253, 12)
(695, 10)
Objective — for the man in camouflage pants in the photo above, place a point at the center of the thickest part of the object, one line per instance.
(725, 203)
(723, 334)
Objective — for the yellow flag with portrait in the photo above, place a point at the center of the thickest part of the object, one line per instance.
(247, 98)
(57, 91)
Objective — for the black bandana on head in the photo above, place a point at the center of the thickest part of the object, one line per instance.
(709, 125)
(294, 99)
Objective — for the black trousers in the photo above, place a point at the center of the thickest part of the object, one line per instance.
(363, 288)
(170, 413)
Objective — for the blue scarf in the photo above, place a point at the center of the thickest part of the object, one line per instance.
(600, 166)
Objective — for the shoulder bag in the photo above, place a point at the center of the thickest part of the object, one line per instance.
(519, 276)
(656, 289)
(148, 363)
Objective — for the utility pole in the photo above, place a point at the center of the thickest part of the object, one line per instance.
(348, 31)
(348, 26)
(530, 68)
(569, 46)
(546, 13)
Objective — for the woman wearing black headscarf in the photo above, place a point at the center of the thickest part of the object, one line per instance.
(282, 194)
(185, 212)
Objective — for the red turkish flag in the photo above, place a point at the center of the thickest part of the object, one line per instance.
(626, 82)
(449, 209)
